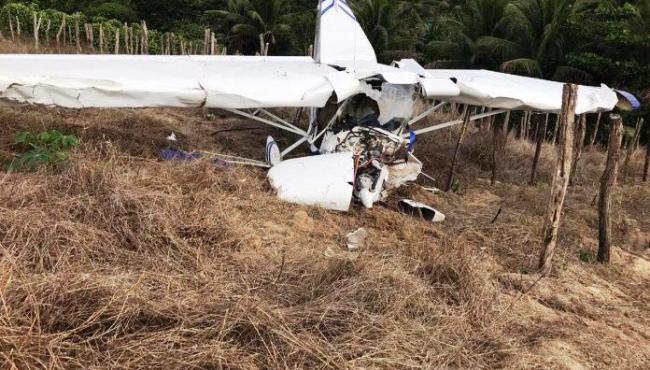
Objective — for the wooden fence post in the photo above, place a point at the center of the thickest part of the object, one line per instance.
(581, 131)
(90, 35)
(560, 178)
(37, 26)
(133, 47)
(556, 129)
(637, 133)
(632, 147)
(60, 32)
(646, 167)
(126, 38)
(541, 137)
(607, 184)
(206, 41)
(47, 30)
(11, 29)
(77, 34)
(499, 139)
(117, 41)
(594, 134)
(463, 130)
(145, 38)
(101, 39)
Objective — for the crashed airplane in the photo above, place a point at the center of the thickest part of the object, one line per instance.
(361, 111)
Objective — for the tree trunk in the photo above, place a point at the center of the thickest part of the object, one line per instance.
(594, 134)
(461, 137)
(499, 138)
(607, 184)
(560, 178)
(541, 136)
(581, 131)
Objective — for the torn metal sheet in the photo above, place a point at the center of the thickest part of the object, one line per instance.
(417, 209)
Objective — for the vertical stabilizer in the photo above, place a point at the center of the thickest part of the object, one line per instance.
(340, 40)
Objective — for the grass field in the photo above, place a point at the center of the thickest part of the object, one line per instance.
(121, 260)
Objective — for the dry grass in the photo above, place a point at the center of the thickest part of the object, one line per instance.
(121, 260)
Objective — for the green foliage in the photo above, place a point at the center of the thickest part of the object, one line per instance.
(46, 149)
(586, 256)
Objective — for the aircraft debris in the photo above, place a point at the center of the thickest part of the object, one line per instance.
(421, 210)
(361, 117)
(357, 239)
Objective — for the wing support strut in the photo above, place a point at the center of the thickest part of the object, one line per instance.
(273, 120)
(455, 122)
(424, 114)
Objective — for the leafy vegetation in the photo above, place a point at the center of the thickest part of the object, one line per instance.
(46, 149)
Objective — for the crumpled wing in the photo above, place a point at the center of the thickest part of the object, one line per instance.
(505, 91)
(126, 81)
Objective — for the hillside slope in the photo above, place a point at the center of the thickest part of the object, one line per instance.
(122, 260)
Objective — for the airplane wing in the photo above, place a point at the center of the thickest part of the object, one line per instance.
(129, 81)
(506, 91)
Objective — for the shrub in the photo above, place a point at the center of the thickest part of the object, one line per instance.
(47, 149)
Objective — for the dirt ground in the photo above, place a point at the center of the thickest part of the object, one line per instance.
(122, 260)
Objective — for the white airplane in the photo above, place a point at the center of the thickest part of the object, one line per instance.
(361, 116)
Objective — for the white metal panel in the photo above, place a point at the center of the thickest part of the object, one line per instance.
(339, 37)
(505, 91)
(323, 180)
(123, 81)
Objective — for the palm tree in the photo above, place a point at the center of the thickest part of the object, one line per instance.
(393, 27)
(471, 35)
(538, 29)
(250, 20)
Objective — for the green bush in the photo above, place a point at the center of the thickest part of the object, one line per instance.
(47, 149)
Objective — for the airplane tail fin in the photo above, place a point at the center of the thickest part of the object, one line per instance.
(340, 40)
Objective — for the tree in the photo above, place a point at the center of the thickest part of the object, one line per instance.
(390, 31)
(247, 20)
(537, 28)
(471, 36)
(612, 43)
